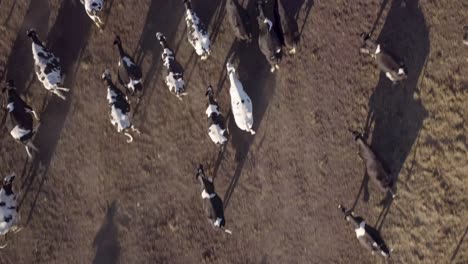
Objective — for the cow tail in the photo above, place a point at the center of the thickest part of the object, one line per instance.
(130, 138)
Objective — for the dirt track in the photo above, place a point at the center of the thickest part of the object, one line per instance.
(91, 198)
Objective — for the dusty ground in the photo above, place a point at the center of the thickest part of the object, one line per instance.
(91, 198)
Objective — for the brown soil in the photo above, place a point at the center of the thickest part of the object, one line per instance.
(89, 197)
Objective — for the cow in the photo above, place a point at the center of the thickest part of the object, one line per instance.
(240, 101)
(21, 117)
(119, 107)
(175, 74)
(197, 33)
(238, 23)
(212, 203)
(47, 65)
(367, 236)
(93, 8)
(8, 209)
(216, 127)
(385, 62)
(268, 40)
(129, 74)
(374, 167)
(288, 27)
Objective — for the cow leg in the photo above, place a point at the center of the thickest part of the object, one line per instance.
(63, 89)
(59, 94)
(15, 229)
(135, 129)
(28, 152)
(4, 238)
(35, 115)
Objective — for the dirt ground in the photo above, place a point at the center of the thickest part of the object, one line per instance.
(89, 197)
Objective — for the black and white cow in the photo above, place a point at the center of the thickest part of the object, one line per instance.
(268, 40)
(93, 8)
(374, 167)
(216, 127)
(21, 118)
(197, 32)
(289, 29)
(47, 65)
(8, 209)
(119, 108)
(367, 236)
(238, 23)
(129, 73)
(385, 62)
(175, 74)
(212, 203)
(241, 104)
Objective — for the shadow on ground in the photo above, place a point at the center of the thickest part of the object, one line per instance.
(106, 241)
(67, 39)
(395, 112)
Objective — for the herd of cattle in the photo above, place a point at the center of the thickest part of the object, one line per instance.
(272, 43)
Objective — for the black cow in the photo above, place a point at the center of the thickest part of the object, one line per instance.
(175, 73)
(268, 40)
(368, 236)
(212, 203)
(20, 116)
(130, 74)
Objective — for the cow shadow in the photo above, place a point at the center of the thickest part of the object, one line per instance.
(20, 64)
(307, 6)
(67, 39)
(7, 19)
(259, 83)
(395, 112)
(106, 240)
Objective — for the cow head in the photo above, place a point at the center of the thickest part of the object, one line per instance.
(106, 76)
(188, 4)
(8, 180)
(96, 8)
(117, 40)
(31, 33)
(10, 86)
(368, 45)
(209, 91)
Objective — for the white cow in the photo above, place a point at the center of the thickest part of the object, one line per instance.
(93, 7)
(197, 34)
(240, 102)
(48, 68)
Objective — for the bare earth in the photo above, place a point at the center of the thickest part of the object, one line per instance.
(89, 197)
